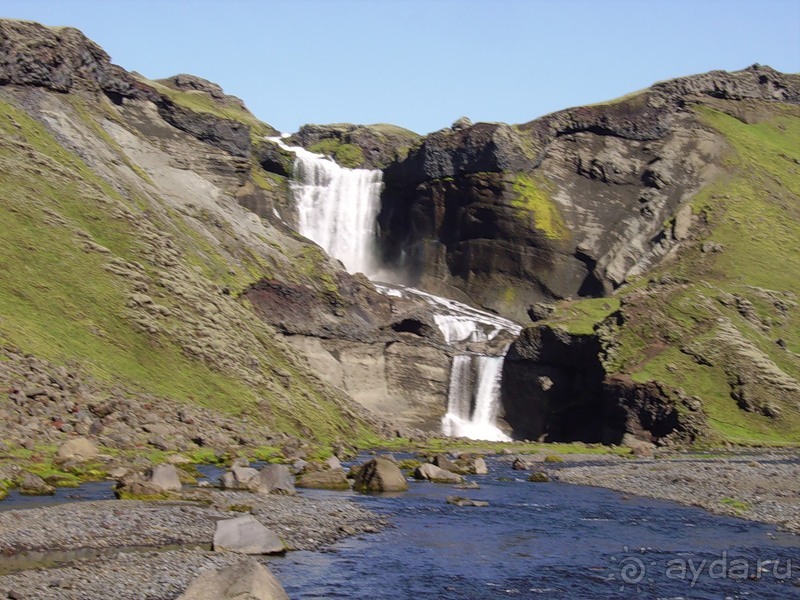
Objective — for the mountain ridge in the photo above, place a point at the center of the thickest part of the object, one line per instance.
(175, 214)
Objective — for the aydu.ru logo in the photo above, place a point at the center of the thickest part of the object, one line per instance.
(633, 570)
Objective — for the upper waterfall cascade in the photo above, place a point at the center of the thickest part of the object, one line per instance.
(338, 209)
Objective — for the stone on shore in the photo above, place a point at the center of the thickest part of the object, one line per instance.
(380, 475)
(33, 485)
(275, 479)
(324, 480)
(245, 580)
(436, 475)
(246, 535)
(539, 477)
(164, 477)
(239, 478)
(78, 449)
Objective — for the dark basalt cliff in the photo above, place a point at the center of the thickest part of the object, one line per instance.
(572, 204)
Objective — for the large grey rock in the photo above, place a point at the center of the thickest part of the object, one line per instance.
(275, 479)
(78, 449)
(324, 480)
(246, 535)
(245, 580)
(165, 478)
(436, 475)
(380, 475)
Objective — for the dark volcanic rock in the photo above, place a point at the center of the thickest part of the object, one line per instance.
(571, 204)
(380, 144)
(231, 136)
(555, 388)
(62, 59)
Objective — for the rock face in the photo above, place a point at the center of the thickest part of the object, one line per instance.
(380, 475)
(148, 186)
(555, 388)
(245, 580)
(361, 146)
(572, 204)
(246, 535)
(386, 353)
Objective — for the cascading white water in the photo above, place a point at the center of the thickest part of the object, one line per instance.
(338, 209)
(459, 405)
(472, 408)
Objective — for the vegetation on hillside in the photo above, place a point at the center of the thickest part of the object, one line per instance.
(721, 319)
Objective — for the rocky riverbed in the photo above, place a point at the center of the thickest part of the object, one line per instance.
(151, 550)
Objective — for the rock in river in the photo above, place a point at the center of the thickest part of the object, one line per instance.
(380, 475)
(436, 475)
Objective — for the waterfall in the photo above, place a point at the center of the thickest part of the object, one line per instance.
(338, 209)
(472, 407)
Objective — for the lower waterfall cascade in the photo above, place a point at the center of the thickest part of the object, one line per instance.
(338, 208)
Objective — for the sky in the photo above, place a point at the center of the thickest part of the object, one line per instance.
(422, 64)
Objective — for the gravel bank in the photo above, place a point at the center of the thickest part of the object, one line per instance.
(88, 536)
(759, 486)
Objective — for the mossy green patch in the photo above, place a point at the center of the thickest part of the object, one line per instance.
(581, 317)
(752, 214)
(200, 102)
(347, 155)
(533, 201)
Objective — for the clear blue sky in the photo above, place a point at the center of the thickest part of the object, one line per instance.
(424, 63)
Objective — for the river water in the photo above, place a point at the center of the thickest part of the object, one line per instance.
(546, 540)
(534, 540)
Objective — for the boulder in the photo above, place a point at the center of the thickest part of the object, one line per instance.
(324, 480)
(640, 448)
(441, 461)
(520, 465)
(380, 475)
(479, 466)
(333, 463)
(275, 479)
(436, 475)
(139, 488)
(78, 449)
(33, 485)
(539, 477)
(245, 580)
(239, 478)
(165, 478)
(246, 535)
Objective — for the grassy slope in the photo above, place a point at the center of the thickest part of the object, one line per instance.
(753, 211)
(59, 302)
